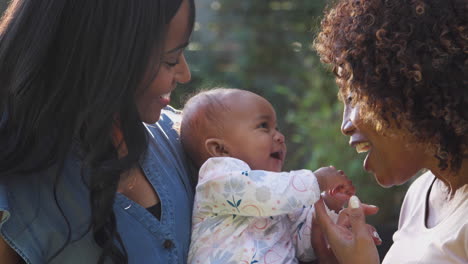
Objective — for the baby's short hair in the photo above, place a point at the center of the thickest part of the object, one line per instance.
(203, 118)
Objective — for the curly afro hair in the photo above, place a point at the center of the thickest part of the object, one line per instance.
(405, 62)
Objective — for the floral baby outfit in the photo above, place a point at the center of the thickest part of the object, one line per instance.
(252, 216)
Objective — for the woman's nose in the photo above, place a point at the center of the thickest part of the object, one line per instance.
(347, 126)
(183, 71)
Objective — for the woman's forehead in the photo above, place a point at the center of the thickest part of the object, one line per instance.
(178, 29)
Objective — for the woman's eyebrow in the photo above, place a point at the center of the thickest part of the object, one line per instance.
(181, 46)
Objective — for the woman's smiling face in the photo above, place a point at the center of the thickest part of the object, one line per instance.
(392, 157)
(173, 69)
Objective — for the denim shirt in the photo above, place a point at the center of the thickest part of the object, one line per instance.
(35, 227)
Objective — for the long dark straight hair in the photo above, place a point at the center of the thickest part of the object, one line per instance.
(68, 68)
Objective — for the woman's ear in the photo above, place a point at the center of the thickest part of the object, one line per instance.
(216, 148)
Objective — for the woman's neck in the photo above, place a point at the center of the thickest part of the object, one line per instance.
(445, 193)
(452, 180)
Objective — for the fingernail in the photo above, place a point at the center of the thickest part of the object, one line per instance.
(323, 194)
(371, 205)
(354, 202)
(376, 235)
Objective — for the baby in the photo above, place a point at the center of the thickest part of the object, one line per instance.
(246, 209)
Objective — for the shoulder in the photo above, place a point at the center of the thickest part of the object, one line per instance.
(37, 205)
(415, 198)
(165, 149)
(421, 184)
(225, 164)
(166, 130)
(164, 140)
(417, 191)
(170, 118)
(171, 113)
(220, 167)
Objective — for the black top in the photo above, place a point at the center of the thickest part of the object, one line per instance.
(155, 210)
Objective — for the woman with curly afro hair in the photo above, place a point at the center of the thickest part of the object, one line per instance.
(402, 68)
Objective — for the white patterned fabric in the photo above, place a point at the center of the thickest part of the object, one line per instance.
(252, 216)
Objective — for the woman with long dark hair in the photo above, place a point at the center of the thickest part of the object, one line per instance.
(86, 173)
(402, 70)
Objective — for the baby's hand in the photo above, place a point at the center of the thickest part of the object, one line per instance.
(335, 187)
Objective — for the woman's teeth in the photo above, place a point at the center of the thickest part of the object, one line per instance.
(363, 147)
(166, 95)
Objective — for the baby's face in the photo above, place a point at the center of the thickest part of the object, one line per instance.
(251, 133)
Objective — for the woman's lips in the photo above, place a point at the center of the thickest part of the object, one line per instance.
(366, 163)
(362, 147)
(165, 99)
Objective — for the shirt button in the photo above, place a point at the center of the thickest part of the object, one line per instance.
(168, 244)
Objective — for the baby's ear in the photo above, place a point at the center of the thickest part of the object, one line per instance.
(216, 148)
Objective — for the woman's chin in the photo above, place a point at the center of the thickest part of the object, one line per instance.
(151, 118)
(385, 185)
(388, 181)
(383, 181)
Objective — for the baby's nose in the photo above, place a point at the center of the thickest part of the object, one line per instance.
(279, 137)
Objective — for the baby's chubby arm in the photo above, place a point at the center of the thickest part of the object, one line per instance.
(334, 197)
(228, 186)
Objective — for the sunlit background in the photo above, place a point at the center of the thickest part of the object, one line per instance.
(266, 46)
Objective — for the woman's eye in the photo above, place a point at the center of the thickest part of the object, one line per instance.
(171, 64)
(349, 99)
(173, 60)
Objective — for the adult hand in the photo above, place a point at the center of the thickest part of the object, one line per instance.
(323, 253)
(351, 239)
